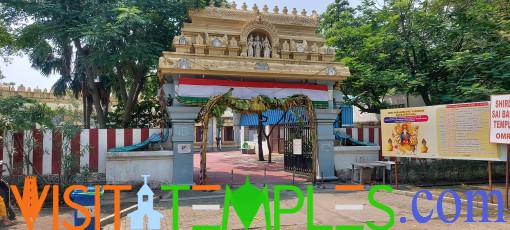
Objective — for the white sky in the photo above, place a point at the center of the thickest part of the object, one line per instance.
(20, 71)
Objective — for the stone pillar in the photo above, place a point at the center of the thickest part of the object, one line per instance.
(325, 143)
(237, 128)
(183, 120)
(330, 85)
(175, 77)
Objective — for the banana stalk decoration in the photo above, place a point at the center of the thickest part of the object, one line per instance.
(257, 104)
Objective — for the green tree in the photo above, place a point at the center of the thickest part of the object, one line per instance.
(115, 40)
(444, 51)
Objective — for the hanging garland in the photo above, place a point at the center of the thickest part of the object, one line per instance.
(257, 105)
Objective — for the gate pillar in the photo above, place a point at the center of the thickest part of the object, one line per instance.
(183, 124)
(326, 142)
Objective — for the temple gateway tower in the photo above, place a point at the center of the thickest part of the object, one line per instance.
(256, 52)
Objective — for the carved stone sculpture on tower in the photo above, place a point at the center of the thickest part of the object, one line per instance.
(305, 46)
(207, 39)
(224, 41)
(267, 48)
(323, 49)
(258, 46)
(293, 45)
(285, 46)
(250, 46)
(233, 42)
(199, 40)
(315, 48)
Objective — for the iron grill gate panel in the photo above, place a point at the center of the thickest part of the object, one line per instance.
(300, 163)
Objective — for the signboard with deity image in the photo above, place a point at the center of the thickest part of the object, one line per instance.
(455, 131)
(409, 132)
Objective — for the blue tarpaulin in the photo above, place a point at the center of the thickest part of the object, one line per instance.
(274, 115)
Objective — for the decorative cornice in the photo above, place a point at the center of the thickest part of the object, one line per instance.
(239, 67)
(241, 15)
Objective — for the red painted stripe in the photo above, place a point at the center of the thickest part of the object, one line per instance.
(349, 131)
(110, 138)
(93, 150)
(252, 84)
(144, 134)
(371, 136)
(56, 152)
(75, 150)
(360, 134)
(17, 168)
(128, 137)
(38, 151)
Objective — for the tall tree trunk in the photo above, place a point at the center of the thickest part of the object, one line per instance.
(132, 97)
(425, 96)
(269, 134)
(86, 119)
(96, 101)
(261, 127)
(89, 77)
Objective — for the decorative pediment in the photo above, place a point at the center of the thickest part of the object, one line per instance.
(259, 23)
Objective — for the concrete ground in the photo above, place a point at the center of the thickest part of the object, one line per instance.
(220, 165)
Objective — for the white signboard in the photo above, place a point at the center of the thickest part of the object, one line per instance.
(500, 119)
(297, 146)
(183, 148)
(92, 211)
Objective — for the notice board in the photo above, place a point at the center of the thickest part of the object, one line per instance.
(455, 131)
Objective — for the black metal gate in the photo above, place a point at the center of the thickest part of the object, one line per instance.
(300, 163)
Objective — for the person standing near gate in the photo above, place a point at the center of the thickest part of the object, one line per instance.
(218, 141)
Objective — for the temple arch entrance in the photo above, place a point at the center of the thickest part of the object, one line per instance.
(256, 105)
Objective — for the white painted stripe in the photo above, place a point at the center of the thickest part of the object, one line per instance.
(206, 207)
(376, 135)
(354, 134)
(66, 147)
(248, 92)
(119, 138)
(7, 144)
(366, 134)
(28, 136)
(84, 147)
(154, 131)
(352, 207)
(48, 147)
(102, 148)
(137, 135)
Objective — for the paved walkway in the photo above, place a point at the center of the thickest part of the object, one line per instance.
(221, 164)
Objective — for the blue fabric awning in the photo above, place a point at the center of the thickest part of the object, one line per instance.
(274, 115)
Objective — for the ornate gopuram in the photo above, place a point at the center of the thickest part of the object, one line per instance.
(257, 51)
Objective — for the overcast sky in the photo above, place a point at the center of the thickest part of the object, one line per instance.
(20, 71)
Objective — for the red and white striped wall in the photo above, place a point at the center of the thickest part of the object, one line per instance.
(90, 144)
(364, 134)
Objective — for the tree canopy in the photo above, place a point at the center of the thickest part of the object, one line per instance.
(96, 46)
(445, 51)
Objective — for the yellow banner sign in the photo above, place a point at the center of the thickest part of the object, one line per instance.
(456, 131)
